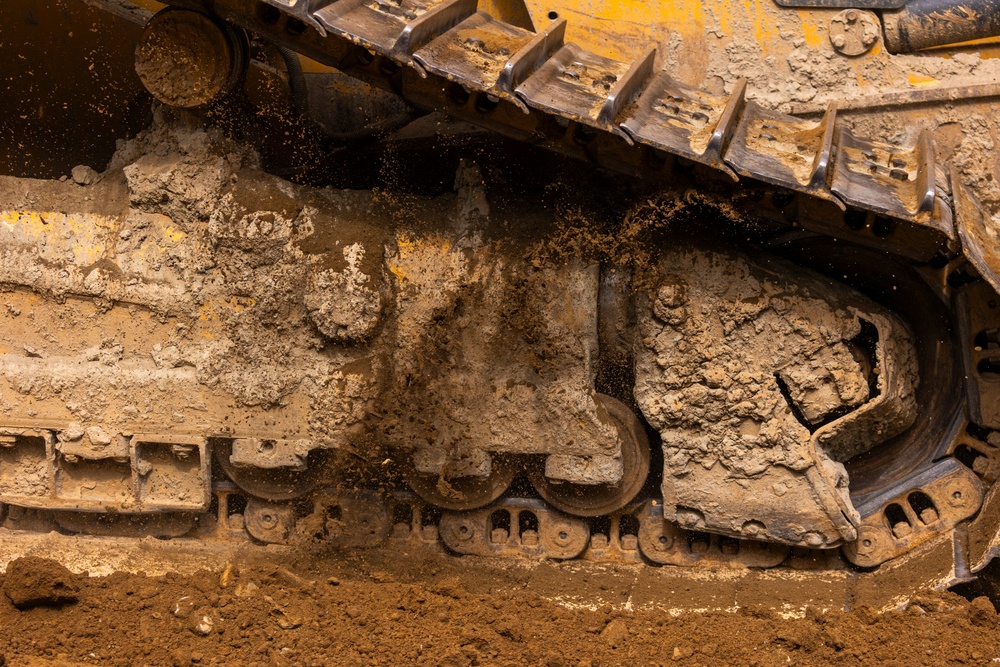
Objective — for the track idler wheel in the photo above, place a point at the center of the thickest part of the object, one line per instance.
(600, 499)
(463, 493)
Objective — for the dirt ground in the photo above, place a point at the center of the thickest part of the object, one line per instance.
(347, 610)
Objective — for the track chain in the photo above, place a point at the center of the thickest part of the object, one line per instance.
(533, 86)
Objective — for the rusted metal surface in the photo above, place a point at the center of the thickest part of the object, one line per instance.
(886, 179)
(784, 150)
(979, 327)
(515, 527)
(837, 4)
(978, 231)
(577, 90)
(983, 537)
(686, 121)
(585, 87)
(933, 504)
(565, 134)
(396, 29)
(143, 473)
(123, 10)
(475, 52)
(664, 542)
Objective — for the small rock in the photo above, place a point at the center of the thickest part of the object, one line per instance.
(682, 652)
(333, 581)
(615, 633)
(73, 432)
(285, 619)
(245, 590)
(554, 659)
(181, 658)
(183, 607)
(202, 625)
(32, 352)
(286, 578)
(33, 582)
(83, 175)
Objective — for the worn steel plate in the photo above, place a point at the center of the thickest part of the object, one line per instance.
(844, 4)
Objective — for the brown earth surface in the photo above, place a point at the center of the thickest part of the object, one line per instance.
(351, 610)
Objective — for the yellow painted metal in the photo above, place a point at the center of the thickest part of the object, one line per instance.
(695, 37)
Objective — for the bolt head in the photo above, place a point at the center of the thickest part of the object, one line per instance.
(867, 541)
(851, 15)
(839, 41)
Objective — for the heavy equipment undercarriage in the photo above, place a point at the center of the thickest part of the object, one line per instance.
(786, 358)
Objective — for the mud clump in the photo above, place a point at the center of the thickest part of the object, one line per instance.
(39, 582)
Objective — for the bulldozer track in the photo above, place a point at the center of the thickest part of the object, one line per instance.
(625, 116)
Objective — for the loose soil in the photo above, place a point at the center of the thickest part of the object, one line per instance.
(349, 610)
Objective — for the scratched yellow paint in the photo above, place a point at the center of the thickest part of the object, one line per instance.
(722, 10)
(921, 81)
(764, 30)
(810, 30)
(174, 234)
(87, 232)
(622, 29)
(410, 247)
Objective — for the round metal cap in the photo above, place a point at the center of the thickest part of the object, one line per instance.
(187, 59)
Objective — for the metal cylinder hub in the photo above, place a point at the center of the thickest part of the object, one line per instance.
(187, 59)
